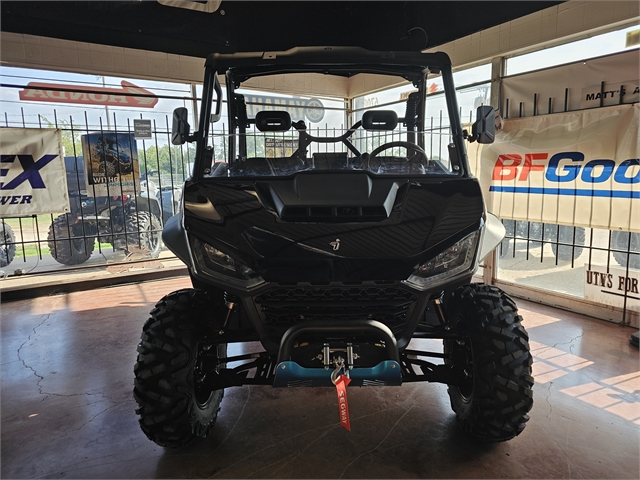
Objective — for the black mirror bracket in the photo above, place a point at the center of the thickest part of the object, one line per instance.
(182, 138)
(467, 137)
(483, 129)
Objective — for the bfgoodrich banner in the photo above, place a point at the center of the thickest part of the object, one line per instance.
(32, 173)
(580, 168)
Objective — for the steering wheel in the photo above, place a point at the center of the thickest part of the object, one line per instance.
(399, 143)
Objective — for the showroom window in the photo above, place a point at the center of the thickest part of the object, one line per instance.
(79, 104)
(605, 44)
(95, 115)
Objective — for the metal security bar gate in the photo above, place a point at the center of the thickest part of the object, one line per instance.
(103, 225)
(570, 259)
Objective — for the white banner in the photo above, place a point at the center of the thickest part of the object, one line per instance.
(610, 285)
(578, 168)
(33, 179)
(596, 82)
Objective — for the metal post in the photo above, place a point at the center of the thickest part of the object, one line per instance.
(194, 98)
(498, 65)
(497, 72)
(106, 107)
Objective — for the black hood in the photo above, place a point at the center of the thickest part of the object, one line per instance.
(420, 220)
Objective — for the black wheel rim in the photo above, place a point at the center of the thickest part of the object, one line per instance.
(150, 238)
(206, 362)
(78, 240)
(462, 355)
(4, 245)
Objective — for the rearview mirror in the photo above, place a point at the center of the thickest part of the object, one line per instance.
(484, 128)
(180, 128)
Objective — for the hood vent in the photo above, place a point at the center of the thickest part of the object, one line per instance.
(332, 198)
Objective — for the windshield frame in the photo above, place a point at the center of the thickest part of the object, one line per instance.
(237, 68)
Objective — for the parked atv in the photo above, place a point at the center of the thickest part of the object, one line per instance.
(334, 256)
(129, 223)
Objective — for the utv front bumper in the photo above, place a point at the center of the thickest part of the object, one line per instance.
(377, 320)
(291, 374)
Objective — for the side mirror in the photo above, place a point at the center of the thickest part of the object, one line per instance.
(484, 128)
(180, 128)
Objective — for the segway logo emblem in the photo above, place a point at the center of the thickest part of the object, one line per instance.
(336, 244)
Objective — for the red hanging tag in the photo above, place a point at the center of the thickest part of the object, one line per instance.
(343, 406)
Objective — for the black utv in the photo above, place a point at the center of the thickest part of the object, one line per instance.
(338, 250)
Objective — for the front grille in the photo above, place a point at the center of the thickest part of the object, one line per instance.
(283, 307)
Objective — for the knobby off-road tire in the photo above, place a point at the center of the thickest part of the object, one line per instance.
(69, 250)
(175, 408)
(493, 403)
(144, 230)
(620, 241)
(7, 244)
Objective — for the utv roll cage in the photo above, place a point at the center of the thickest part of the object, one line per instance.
(342, 61)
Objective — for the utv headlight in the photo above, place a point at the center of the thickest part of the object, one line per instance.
(454, 261)
(221, 266)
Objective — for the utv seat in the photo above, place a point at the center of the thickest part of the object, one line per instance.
(269, 121)
(273, 121)
(380, 120)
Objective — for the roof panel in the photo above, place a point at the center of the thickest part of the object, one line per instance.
(246, 26)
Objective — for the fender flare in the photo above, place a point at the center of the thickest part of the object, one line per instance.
(492, 234)
(175, 238)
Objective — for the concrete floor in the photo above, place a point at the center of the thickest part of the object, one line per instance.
(67, 408)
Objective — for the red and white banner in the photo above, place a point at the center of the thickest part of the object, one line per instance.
(33, 180)
(63, 93)
(577, 168)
